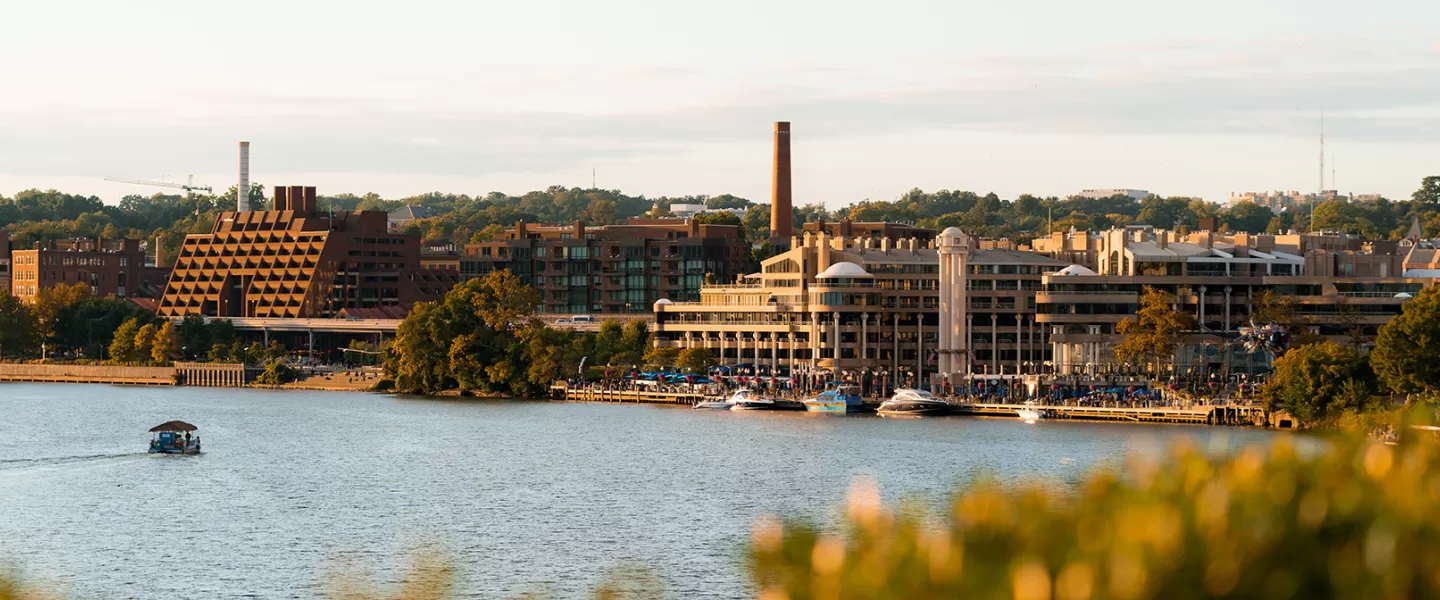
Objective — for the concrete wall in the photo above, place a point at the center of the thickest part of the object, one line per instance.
(88, 374)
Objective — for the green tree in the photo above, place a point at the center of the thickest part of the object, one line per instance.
(662, 357)
(609, 341)
(122, 346)
(166, 346)
(1150, 337)
(1429, 192)
(1407, 347)
(636, 337)
(1318, 383)
(696, 360)
(17, 325)
(1247, 216)
(50, 301)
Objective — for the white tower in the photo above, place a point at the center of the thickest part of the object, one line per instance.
(954, 247)
(242, 193)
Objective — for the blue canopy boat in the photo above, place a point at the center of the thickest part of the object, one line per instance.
(837, 398)
(174, 437)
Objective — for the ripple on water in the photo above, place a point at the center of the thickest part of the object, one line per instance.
(522, 496)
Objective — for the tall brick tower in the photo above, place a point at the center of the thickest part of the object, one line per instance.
(781, 227)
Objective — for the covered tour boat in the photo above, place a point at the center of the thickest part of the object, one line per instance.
(174, 437)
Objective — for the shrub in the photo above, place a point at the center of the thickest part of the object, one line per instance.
(277, 373)
(1352, 519)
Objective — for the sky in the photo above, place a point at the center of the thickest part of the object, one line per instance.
(1046, 97)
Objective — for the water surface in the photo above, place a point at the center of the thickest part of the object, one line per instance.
(521, 496)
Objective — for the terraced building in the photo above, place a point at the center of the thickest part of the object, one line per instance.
(298, 262)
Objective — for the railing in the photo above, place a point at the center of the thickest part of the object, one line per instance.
(1374, 294)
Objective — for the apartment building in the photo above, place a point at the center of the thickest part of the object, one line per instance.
(298, 262)
(613, 269)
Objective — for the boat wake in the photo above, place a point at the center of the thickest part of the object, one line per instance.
(15, 464)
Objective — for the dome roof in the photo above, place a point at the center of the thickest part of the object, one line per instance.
(843, 269)
(1075, 270)
(1404, 295)
(661, 301)
(755, 276)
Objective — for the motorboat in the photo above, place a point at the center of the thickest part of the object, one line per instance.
(1031, 412)
(837, 398)
(725, 403)
(174, 437)
(907, 402)
(745, 399)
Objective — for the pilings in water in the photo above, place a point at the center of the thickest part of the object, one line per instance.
(210, 374)
(561, 391)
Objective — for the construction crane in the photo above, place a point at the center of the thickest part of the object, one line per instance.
(188, 186)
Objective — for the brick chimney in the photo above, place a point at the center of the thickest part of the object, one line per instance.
(780, 201)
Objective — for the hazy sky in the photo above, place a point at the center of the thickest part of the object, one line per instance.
(667, 98)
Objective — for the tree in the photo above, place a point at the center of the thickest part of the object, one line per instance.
(662, 356)
(122, 348)
(144, 346)
(1247, 216)
(50, 301)
(1429, 192)
(17, 324)
(696, 360)
(1406, 350)
(166, 346)
(1318, 383)
(636, 337)
(1150, 337)
(609, 341)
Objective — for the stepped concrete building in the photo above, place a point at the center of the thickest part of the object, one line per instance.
(297, 262)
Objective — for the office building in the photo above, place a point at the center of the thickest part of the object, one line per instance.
(612, 269)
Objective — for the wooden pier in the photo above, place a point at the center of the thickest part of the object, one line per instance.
(1196, 415)
(561, 391)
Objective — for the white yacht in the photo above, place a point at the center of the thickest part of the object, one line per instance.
(724, 403)
(745, 399)
(914, 402)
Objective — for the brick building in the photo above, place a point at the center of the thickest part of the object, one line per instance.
(613, 268)
(109, 267)
(298, 262)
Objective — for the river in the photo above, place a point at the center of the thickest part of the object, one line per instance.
(520, 496)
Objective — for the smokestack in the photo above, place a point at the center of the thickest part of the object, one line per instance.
(159, 251)
(780, 215)
(242, 193)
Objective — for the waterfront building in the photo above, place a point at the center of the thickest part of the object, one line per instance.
(612, 269)
(858, 306)
(1344, 289)
(298, 262)
(109, 267)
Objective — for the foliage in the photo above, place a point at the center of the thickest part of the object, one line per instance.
(122, 346)
(1318, 383)
(199, 337)
(277, 373)
(17, 325)
(662, 357)
(50, 301)
(1350, 519)
(144, 341)
(1429, 192)
(696, 360)
(1405, 351)
(166, 346)
(88, 327)
(1150, 337)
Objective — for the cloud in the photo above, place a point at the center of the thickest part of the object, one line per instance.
(1371, 91)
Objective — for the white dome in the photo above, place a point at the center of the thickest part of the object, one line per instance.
(661, 301)
(1403, 295)
(843, 269)
(1075, 270)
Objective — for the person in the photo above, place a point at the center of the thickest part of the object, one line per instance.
(187, 440)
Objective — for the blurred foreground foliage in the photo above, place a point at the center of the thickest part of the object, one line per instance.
(1351, 519)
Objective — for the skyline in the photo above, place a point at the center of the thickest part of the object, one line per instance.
(668, 101)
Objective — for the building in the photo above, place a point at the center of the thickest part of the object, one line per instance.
(1344, 289)
(402, 217)
(109, 267)
(874, 231)
(872, 308)
(5, 262)
(613, 269)
(1100, 194)
(298, 262)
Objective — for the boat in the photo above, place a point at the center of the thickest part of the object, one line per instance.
(744, 399)
(724, 404)
(914, 403)
(1031, 412)
(837, 398)
(174, 437)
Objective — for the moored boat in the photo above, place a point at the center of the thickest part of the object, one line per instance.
(837, 398)
(914, 403)
(723, 404)
(174, 437)
(745, 399)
